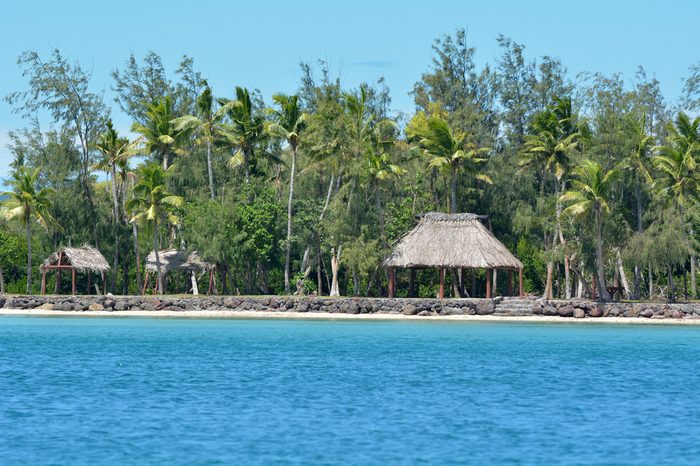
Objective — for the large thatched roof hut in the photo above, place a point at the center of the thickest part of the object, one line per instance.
(175, 260)
(85, 260)
(452, 241)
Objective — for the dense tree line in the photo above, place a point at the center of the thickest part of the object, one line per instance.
(592, 181)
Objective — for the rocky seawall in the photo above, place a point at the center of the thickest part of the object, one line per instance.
(310, 304)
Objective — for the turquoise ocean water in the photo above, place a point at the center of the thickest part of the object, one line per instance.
(123, 391)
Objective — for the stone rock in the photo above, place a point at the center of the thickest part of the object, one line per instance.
(677, 314)
(96, 307)
(595, 311)
(121, 306)
(647, 313)
(451, 311)
(579, 313)
(550, 311)
(108, 302)
(485, 308)
(410, 310)
(567, 311)
(425, 313)
(147, 307)
(634, 312)
(46, 306)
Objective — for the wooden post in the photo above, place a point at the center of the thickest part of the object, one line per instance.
(43, 281)
(441, 293)
(488, 283)
(104, 284)
(494, 283)
(520, 279)
(89, 281)
(392, 281)
(145, 283)
(510, 282)
(73, 280)
(211, 281)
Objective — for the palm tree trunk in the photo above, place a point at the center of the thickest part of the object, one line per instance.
(600, 276)
(115, 228)
(2, 282)
(637, 268)
(29, 252)
(210, 169)
(453, 191)
(155, 249)
(165, 160)
(288, 251)
(335, 289)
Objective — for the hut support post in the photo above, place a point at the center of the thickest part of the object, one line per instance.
(392, 281)
(441, 293)
(73, 280)
(104, 284)
(43, 281)
(488, 283)
(520, 280)
(510, 283)
(89, 281)
(145, 283)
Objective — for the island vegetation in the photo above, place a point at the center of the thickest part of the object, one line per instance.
(591, 180)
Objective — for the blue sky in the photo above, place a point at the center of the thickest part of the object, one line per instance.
(259, 44)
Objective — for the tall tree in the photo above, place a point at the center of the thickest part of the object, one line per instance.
(62, 89)
(153, 205)
(26, 202)
(590, 194)
(288, 122)
(206, 125)
(158, 131)
(244, 132)
(115, 151)
(451, 152)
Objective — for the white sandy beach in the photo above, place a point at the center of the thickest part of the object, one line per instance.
(228, 314)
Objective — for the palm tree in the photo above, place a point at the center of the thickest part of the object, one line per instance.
(451, 152)
(26, 202)
(152, 203)
(591, 187)
(115, 151)
(159, 131)
(206, 125)
(638, 163)
(288, 122)
(679, 177)
(245, 131)
(555, 136)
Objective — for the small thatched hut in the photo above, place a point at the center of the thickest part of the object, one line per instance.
(452, 241)
(174, 260)
(85, 260)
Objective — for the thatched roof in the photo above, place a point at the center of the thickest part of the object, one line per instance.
(451, 241)
(172, 259)
(82, 259)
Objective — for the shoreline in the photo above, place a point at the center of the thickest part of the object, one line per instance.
(276, 315)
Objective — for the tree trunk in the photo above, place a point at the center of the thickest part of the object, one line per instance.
(193, 280)
(2, 282)
(602, 292)
(693, 277)
(621, 273)
(637, 268)
(453, 191)
(355, 282)
(671, 290)
(29, 253)
(137, 256)
(288, 251)
(651, 283)
(165, 160)
(115, 228)
(155, 249)
(335, 291)
(210, 170)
